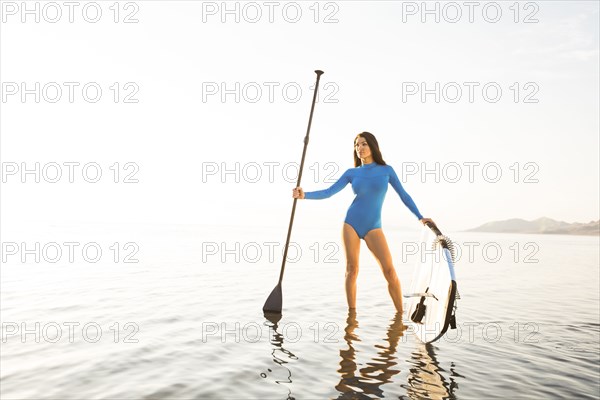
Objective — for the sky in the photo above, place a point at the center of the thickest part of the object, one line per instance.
(201, 118)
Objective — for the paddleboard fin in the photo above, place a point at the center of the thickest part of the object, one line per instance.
(419, 313)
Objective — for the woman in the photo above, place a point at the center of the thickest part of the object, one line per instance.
(369, 181)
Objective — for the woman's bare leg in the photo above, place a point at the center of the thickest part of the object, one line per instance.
(378, 245)
(352, 248)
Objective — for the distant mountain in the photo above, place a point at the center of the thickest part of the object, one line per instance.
(540, 225)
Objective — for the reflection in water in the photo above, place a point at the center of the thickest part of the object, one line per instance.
(425, 380)
(377, 372)
(279, 353)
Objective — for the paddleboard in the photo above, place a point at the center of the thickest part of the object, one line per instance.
(431, 298)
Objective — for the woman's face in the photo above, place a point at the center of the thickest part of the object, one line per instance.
(362, 148)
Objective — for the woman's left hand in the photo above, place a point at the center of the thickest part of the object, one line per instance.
(424, 221)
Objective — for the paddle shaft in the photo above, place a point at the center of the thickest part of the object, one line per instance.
(312, 109)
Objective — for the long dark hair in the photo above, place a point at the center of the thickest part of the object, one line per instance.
(373, 146)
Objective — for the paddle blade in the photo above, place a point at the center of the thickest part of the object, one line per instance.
(274, 301)
(273, 318)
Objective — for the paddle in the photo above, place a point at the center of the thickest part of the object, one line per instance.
(274, 301)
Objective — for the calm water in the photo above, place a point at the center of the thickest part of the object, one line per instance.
(185, 321)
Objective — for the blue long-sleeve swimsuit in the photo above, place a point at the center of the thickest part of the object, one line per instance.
(369, 184)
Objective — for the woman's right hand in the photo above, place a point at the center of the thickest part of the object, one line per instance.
(298, 193)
